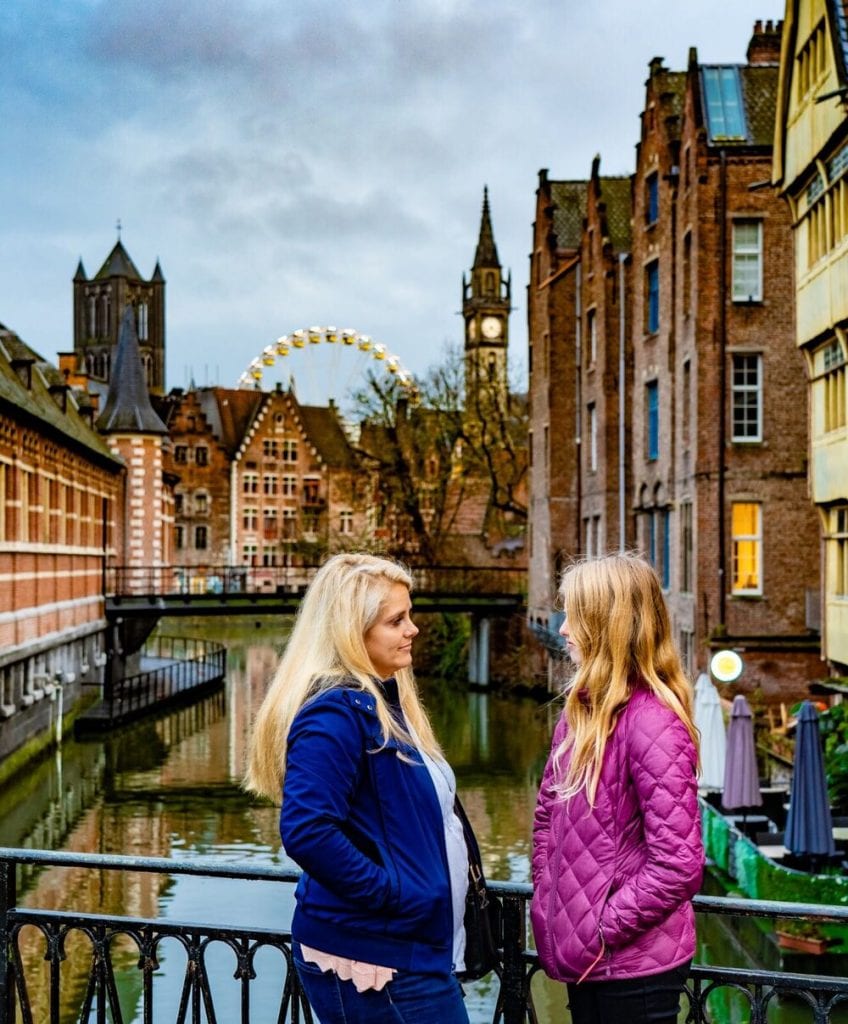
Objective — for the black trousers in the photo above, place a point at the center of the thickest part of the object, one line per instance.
(654, 999)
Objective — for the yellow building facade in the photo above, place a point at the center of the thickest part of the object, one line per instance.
(811, 169)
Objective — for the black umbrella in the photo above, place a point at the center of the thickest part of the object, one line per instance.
(809, 826)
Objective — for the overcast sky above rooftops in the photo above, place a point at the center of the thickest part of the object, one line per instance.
(311, 162)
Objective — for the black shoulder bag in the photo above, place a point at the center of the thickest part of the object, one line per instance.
(482, 914)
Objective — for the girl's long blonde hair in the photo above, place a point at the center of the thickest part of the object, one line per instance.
(327, 648)
(618, 619)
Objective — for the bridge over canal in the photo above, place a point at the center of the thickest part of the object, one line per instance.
(137, 597)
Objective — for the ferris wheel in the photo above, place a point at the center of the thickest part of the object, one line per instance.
(325, 345)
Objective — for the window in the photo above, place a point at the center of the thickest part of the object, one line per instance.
(289, 451)
(250, 483)
(269, 524)
(269, 448)
(269, 484)
(687, 273)
(812, 60)
(311, 521)
(201, 455)
(747, 261)
(746, 548)
(178, 504)
(686, 404)
(592, 331)
(269, 555)
(346, 521)
(201, 503)
(248, 554)
(179, 537)
(593, 437)
(746, 398)
(838, 544)
(592, 530)
(686, 548)
(832, 385)
(652, 420)
(201, 535)
(652, 198)
(250, 519)
(142, 321)
(723, 93)
(180, 454)
(310, 491)
(289, 486)
(289, 524)
(652, 297)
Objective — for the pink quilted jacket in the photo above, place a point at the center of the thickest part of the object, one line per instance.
(614, 882)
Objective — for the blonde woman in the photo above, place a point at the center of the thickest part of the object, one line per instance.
(617, 853)
(368, 805)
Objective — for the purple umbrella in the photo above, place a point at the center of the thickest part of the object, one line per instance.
(809, 826)
(741, 777)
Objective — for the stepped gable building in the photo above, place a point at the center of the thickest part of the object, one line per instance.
(553, 323)
(137, 435)
(810, 165)
(719, 418)
(714, 433)
(60, 501)
(294, 486)
(99, 304)
(206, 427)
(604, 367)
(262, 480)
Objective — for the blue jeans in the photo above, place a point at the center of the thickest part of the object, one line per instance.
(654, 999)
(406, 999)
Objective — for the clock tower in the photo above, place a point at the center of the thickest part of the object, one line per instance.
(485, 310)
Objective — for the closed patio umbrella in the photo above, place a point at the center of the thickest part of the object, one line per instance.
(710, 724)
(809, 826)
(741, 777)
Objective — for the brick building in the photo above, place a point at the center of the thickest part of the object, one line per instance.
(810, 165)
(60, 498)
(553, 310)
(714, 429)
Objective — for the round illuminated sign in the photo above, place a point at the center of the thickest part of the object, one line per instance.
(726, 666)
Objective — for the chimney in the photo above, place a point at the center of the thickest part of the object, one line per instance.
(764, 47)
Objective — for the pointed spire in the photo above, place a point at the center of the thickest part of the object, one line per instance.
(119, 264)
(128, 409)
(487, 252)
(157, 273)
(80, 274)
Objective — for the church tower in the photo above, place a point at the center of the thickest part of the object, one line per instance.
(485, 309)
(99, 303)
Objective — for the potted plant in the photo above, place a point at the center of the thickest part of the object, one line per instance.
(801, 936)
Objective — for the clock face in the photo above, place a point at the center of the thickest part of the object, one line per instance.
(491, 327)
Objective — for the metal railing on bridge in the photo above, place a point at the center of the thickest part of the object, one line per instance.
(205, 581)
(124, 954)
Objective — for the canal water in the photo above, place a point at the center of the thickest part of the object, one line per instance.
(170, 787)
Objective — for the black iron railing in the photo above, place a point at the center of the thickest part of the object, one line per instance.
(234, 580)
(179, 665)
(115, 946)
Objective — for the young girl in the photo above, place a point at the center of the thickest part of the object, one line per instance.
(617, 850)
(368, 806)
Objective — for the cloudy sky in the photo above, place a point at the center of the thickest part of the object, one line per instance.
(299, 162)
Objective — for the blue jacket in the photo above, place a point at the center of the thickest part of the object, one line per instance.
(366, 827)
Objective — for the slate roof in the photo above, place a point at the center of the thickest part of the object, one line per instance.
(128, 408)
(569, 198)
(325, 431)
(229, 412)
(37, 404)
(487, 252)
(759, 94)
(616, 196)
(118, 264)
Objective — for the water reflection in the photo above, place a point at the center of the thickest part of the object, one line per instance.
(170, 787)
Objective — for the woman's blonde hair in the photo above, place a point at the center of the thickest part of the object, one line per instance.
(617, 618)
(326, 649)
